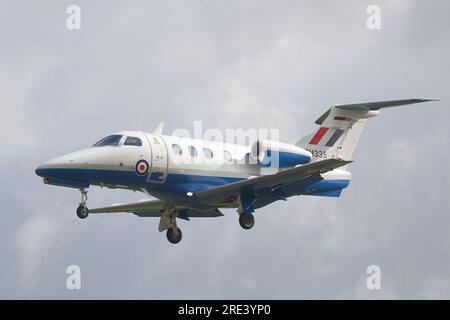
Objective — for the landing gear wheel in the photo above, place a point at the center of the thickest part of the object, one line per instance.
(82, 211)
(246, 220)
(174, 235)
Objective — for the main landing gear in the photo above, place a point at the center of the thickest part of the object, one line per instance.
(82, 210)
(168, 222)
(245, 209)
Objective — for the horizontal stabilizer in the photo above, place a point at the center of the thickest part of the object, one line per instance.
(381, 104)
(368, 106)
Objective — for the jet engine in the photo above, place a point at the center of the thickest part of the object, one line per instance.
(278, 154)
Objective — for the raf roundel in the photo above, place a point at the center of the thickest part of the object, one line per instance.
(141, 167)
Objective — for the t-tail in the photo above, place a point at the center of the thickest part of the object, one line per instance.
(341, 127)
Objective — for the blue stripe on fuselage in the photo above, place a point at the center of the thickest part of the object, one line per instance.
(176, 184)
(194, 183)
(95, 176)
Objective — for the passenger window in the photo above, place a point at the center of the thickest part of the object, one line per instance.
(109, 141)
(208, 153)
(133, 141)
(192, 151)
(227, 156)
(177, 149)
(247, 158)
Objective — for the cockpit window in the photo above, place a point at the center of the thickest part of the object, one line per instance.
(133, 141)
(109, 141)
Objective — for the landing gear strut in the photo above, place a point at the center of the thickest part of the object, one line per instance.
(82, 210)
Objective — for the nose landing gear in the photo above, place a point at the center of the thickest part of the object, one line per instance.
(82, 210)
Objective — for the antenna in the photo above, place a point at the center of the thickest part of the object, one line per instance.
(159, 129)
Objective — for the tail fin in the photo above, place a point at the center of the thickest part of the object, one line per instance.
(341, 127)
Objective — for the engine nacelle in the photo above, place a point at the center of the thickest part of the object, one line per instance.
(278, 154)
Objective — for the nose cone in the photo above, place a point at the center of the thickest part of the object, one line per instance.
(64, 171)
(45, 170)
(40, 171)
(50, 168)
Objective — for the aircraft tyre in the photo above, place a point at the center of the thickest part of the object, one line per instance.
(246, 220)
(82, 211)
(174, 235)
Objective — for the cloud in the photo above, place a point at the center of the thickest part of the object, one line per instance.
(36, 243)
(16, 122)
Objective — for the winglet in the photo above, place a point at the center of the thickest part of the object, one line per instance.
(159, 129)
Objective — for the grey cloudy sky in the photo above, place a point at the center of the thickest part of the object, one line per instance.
(231, 64)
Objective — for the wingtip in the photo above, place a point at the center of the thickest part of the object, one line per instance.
(426, 100)
(343, 160)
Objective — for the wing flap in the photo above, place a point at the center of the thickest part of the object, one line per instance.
(184, 213)
(147, 205)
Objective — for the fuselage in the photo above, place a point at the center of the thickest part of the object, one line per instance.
(169, 167)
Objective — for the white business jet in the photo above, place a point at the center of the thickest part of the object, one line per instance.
(195, 178)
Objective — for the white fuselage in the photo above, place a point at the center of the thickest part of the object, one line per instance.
(168, 167)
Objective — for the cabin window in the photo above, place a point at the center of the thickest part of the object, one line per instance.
(208, 153)
(227, 155)
(112, 140)
(192, 151)
(177, 149)
(247, 158)
(133, 141)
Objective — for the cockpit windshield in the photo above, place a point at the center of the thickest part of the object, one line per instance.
(112, 140)
(133, 141)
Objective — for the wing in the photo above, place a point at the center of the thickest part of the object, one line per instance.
(305, 173)
(155, 208)
(274, 181)
(150, 207)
